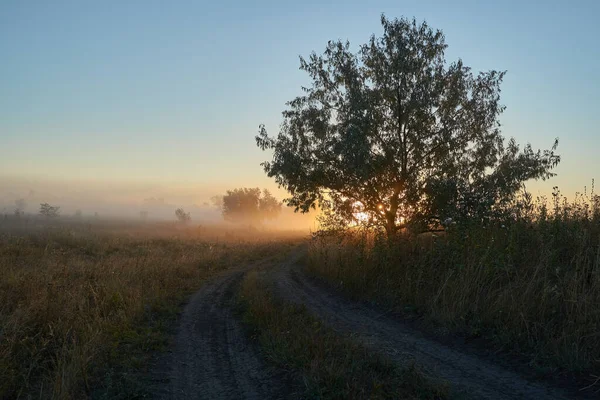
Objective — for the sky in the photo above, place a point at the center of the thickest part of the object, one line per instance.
(154, 98)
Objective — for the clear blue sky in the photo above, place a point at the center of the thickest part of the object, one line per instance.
(173, 92)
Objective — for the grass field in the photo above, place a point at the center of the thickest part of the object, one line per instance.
(83, 306)
(530, 285)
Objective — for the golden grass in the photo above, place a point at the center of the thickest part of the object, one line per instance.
(80, 310)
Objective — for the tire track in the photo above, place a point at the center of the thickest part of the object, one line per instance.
(469, 376)
(211, 357)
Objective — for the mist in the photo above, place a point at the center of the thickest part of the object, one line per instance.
(132, 201)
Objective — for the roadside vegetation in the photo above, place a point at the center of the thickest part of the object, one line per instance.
(528, 282)
(328, 365)
(82, 308)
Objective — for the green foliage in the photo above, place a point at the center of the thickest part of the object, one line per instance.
(249, 205)
(396, 133)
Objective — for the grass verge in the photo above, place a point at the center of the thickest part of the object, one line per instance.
(330, 366)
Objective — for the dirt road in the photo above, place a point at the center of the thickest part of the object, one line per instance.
(469, 376)
(211, 357)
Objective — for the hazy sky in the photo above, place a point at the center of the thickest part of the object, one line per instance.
(171, 93)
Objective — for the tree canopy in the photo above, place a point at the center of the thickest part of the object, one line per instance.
(249, 205)
(398, 135)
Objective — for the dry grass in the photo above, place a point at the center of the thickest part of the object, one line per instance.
(531, 284)
(329, 365)
(80, 311)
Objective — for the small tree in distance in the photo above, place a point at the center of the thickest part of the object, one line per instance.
(398, 136)
(49, 211)
(249, 206)
(182, 216)
(20, 205)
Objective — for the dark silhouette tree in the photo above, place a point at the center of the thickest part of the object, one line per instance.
(397, 134)
(249, 206)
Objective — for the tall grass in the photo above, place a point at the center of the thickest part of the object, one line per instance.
(530, 282)
(79, 311)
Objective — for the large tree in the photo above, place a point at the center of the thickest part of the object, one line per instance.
(398, 135)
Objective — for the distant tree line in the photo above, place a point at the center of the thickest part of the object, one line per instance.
(251, 206)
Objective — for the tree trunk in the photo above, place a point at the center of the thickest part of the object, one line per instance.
(390, 225)
(390, 216)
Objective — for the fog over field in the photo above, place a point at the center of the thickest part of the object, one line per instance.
(127, 200)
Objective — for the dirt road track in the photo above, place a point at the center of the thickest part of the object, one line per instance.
(211, 357)
(469, 376)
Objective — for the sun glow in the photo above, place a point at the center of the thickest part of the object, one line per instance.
(361, 216)
(359, 213)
